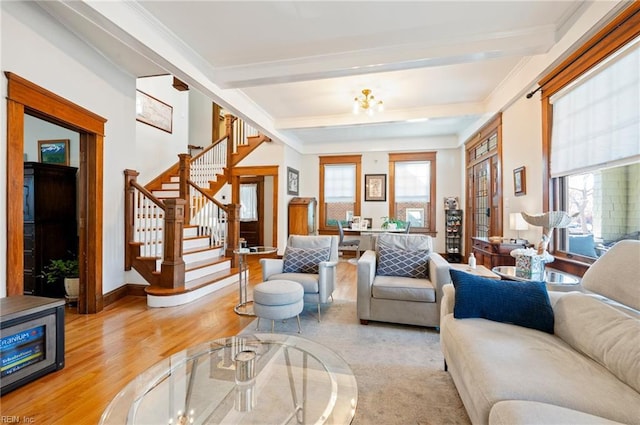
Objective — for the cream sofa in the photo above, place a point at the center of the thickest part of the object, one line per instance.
(586, 372)
(401, 299)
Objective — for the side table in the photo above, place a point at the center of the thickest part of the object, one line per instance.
(245, 305)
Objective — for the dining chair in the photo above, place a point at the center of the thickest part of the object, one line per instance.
(349, 243)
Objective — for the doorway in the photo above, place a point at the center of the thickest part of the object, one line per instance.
(26, 98)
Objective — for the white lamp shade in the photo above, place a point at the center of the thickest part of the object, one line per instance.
(516, 222)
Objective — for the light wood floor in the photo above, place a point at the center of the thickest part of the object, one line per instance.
(107, 350)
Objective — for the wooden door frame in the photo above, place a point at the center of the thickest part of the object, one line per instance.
(261, 170)
(24, 97)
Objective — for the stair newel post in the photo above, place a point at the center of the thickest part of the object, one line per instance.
(172, 269)
(129, 213)
(233, 232)
(185, 174)
(228, 122)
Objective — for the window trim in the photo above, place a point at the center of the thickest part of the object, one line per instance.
(413, 157)
(338, 159)
(624, 28)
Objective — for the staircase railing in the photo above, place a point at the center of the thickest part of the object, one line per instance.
(144, 218)
(240, 132)
(209, 163)
(208, 214)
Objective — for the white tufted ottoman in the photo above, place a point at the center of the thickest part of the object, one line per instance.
(278, 299)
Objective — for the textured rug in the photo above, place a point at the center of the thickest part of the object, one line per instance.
(399, 369)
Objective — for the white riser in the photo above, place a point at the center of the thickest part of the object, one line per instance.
(166, 193)
(202, 255)
(170, 186)
(195, 243)
(189, 232)
(187, 297)
(175, 179)
(203, 271)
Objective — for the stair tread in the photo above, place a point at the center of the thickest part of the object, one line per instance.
(200, 249)
(194, 284)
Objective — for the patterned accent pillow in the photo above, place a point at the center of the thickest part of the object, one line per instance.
(304, 260)
(398, 262)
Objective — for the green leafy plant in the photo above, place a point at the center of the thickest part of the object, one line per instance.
(391, 220)
(57, 270)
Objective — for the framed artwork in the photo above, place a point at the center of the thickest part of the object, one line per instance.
(53, 151)
(154, 112)
(519, 181)
(375, 187)
(293, 181)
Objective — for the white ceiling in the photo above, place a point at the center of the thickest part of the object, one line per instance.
(301, 63)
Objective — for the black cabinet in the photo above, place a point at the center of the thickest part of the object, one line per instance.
(453, 238)
(50, 230)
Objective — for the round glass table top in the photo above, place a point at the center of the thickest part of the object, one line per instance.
(245, 379)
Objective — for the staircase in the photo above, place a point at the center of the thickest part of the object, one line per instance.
(179, 238)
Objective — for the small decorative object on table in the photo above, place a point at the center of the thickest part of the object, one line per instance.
(529, 262)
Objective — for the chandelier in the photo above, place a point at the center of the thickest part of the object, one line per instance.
(367, 103)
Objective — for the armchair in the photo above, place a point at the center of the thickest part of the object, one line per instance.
(297, 266)
(401, 280)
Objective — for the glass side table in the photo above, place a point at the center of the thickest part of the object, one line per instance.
(555, 279)
(245, 305)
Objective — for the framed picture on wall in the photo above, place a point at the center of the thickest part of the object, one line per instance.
(519, 181)
(293, 182)
(375, 187)
(154, 112)
(53, 151)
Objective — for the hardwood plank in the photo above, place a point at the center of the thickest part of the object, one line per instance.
(105, 351)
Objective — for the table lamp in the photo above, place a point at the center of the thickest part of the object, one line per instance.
(517, 223)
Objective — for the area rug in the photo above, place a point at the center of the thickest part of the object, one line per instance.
(399, 369)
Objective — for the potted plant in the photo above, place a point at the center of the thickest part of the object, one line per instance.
(392, 223)
(66, 270)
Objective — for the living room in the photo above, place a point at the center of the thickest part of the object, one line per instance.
(95, 82)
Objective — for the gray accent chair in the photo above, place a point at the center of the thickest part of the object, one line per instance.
(318, 288)
(395, 299)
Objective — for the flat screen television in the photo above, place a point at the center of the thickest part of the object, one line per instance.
(31, 339)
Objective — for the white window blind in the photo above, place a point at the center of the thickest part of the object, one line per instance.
(596, 121)
(413, 181)
(339, 183)
(248, 202)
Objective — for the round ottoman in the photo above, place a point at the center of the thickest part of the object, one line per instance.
(278, 299)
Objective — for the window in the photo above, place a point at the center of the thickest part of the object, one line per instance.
(339, 188)
(248, 202)
(593, 111)
(412, 189)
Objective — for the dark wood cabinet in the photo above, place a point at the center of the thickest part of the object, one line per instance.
(493, 254)
(302, 216)
(50, 230)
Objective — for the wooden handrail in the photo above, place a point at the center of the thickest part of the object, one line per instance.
(148, 194)
(211, 146)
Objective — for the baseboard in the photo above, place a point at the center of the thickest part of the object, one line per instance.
(134, 289)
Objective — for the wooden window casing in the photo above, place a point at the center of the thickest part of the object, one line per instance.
(624, 28)
(338, 159)
(412, 157)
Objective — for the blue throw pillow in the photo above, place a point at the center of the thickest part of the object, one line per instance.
(398, 262)
(304, 260)
(520, 303)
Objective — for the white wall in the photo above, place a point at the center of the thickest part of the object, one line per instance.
(448, 183)
(522, 146)
(200, 119)
(156, 149)
(40, 50)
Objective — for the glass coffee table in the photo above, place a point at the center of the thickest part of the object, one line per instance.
(555, 279)
(245, 379)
